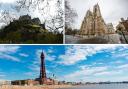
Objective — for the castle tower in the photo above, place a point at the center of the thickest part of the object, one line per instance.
(43, 78)
(93, 23)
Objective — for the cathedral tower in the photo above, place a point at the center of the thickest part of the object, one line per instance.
(98, 23)
(87, 24)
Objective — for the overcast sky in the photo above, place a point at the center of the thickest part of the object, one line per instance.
(112, 10)
(8, 4)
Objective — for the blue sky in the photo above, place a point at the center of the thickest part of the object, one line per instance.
(86, 63)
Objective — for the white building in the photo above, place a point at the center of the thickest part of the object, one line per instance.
(5, 82)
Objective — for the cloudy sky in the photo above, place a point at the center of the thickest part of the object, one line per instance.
(86, 63)
(112, 10)
(50, 11)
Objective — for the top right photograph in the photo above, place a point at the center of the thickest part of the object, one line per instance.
(96, 22)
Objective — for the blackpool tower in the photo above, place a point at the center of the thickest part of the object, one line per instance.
(43, 78)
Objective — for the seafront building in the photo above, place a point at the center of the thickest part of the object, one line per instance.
(5, 82)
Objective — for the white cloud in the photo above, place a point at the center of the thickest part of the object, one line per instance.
(125, 66)
(98, 71)
(97, 74)
(6, 52)
(78, 53)
(84, 72)
(117, 62)
(34, 68)
(50, 57)
(2, 74)
(8, 57)
(23, 55)
(9, 49)
(7, 1)
(50, 50)
(108, 73)
(121, 55)
(2, 25)
(35, 65)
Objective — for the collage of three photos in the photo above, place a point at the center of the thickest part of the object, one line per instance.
(63, 44)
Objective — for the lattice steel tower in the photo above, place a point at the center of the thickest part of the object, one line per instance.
(43, 77)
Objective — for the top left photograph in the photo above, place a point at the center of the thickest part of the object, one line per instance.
(31, 21)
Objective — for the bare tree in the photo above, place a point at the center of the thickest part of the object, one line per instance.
(32, 4)
(70, 15)
(6, 17)
(56, 21)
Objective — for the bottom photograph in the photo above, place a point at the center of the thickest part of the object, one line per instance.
(64, 66)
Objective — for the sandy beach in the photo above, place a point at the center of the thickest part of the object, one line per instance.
(35, 87)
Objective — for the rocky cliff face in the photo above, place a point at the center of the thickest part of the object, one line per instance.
(93, 23)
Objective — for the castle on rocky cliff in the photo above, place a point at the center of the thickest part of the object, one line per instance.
(94, 24)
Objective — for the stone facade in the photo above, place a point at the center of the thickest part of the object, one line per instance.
(94, 24)
(110, 28)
